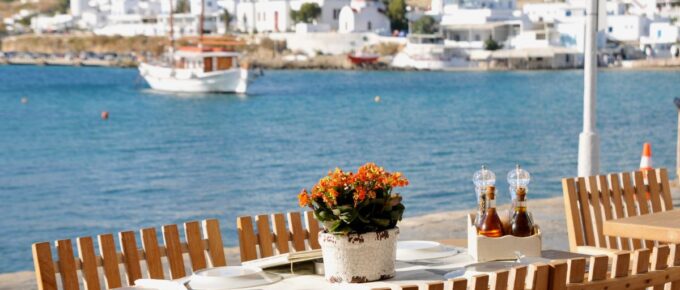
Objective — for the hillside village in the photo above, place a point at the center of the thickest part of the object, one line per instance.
(436, 34)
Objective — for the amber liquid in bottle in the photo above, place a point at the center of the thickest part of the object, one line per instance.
(522, 225)
(491, 225)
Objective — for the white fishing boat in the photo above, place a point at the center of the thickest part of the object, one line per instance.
(208, 66)
(198, 70)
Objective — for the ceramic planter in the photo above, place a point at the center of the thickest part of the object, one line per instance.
(359, 258)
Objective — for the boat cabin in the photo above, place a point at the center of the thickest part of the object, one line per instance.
(205, 59)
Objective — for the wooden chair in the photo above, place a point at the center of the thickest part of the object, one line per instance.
(263, 242)
(629, 270)
(535, 277)
(89, 262)
(591, 200)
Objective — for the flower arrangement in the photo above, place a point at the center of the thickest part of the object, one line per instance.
(346, 202)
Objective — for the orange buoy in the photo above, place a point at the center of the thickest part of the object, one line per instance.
(105, 115)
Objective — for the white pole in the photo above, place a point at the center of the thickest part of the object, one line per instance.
(589, 142)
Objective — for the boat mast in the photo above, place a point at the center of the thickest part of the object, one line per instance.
(172, 35)
(200, 24)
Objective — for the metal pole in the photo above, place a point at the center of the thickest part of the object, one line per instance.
(677, 145)
(589, 142)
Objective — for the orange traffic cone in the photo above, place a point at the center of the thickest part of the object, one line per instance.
(646, 164)
(646, 160)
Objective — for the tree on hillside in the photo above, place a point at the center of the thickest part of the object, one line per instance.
(62, 6)
(425, 25)
(308, 12)
(491, 44)
(396, 12)
(226, 17)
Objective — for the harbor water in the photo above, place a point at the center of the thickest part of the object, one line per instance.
(163, 158)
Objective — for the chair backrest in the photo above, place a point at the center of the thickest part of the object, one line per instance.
(274, 237)
(658, 267)
(534, 276)
(591, 200)
(93, 264)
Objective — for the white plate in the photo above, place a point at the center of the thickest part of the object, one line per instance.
(423, 250)
(231, 277)
(417, 246)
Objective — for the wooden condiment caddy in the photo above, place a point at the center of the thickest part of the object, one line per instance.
(484, 249)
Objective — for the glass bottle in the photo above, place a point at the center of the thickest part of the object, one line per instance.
(522, 225)
(491, 226)
(517, 178)
(482, 179)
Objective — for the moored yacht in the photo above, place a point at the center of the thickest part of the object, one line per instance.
(198, 70)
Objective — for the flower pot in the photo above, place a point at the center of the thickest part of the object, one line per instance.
(358, 258)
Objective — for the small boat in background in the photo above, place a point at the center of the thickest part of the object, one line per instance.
(360, 57)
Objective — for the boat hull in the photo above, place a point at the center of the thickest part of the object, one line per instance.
(185, 81)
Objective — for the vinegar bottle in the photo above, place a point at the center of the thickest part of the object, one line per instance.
(521, 225)
(491, 226)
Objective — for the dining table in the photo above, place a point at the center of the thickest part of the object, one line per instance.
(659, 226)
(418, 272)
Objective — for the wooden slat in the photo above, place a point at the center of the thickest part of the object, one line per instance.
(675, 261)
(246, 238)
(598, 268)
(173, 251)
(577, 270)
(435, 286)
(558, 275)
(574, 223)
(211, 232)
(597, 211)
(605, 192)
(313, 230)
(459, 284)
(665, 188)
(620, 265)
(192, 233)
(641, 261)
(499, 280)
(480, 282)
(629, 197)
(617, 198)
(282, 235)
(44, 266)
(67, 265)
(589, 231)
(264, 234)
(641, 195)
(660, 260)
(128, 243)
(409, 287)
(295, 226)
(538, 275)
(654, 191)
(88, 259)
(107, 250)
(518, 278)
(152, 252)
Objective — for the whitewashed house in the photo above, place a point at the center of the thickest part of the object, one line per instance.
(663, 40)
(627, 28)
(364, 16)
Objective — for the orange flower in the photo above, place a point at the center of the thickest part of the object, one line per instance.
(303, 198)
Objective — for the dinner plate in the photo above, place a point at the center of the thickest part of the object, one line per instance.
(231, 277)
(493, 266)
(423, 250)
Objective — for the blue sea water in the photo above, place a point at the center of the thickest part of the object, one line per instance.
(163, 158)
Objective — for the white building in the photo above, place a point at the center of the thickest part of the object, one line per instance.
(627, 28)
(275, 15)
(662, 41)
(364, 16)
(56, 23)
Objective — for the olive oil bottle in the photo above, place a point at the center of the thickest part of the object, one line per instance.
(521, 224)
(491, 225)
